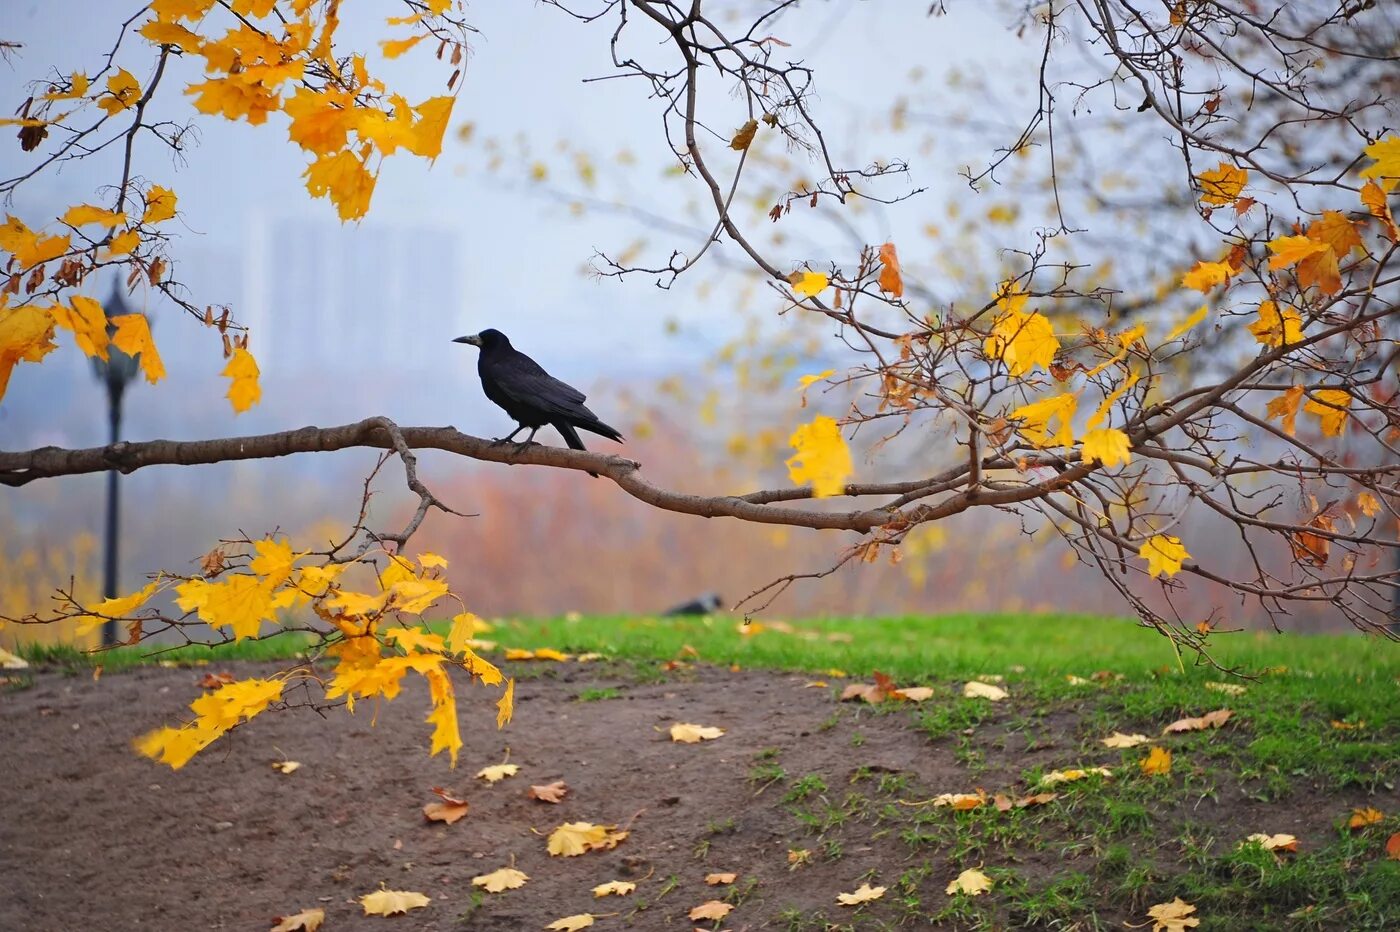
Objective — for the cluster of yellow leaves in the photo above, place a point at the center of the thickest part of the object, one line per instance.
(1021, 340)
(822, 457)
(1315, 255)
(215, 713)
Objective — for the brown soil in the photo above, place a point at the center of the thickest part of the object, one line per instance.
(95, 837)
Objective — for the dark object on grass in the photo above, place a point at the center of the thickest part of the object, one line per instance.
(530, 395)
(706, 604)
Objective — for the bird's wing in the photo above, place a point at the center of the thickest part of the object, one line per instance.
(526, 384)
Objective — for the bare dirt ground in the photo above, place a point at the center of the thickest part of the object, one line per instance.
(93, 836)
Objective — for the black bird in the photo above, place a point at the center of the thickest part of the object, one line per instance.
(530, 395)
(706, 604)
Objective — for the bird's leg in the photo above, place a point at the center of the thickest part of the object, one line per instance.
(518, 429)
(530, 439)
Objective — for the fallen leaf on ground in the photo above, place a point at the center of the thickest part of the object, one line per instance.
(449, 809)
(797, 857)
(215, 680)
(1120, 740)
(1037, 799)
(869, 692)
(1172, 917)
(308, 920)
(1230, 689)
(574, 838)
(863, 894)
(1157, 762)
(719, 878)
(815, 684)
(1073, 680)
(392, 902)
(549, 792)
(960, 801)
(285, 766)
(614, 888)
(710, 909)
(549, 653)
(914, 693)
(499, 881)
(1348, 726)
(978, 690)
(1360, 818)
(1209, 720)
(1392, 847)
(686, 733)
(572, 923)
(1069, 776)
(498, 772)
(1273, 842)
(9, 661)
(972, 882)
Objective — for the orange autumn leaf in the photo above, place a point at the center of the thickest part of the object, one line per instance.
(1209, 720)
(133, 337)
(549, 792)
(891, 281)
(1362, 817)
(1157, 762)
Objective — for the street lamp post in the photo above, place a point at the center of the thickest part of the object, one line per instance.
(115, 373)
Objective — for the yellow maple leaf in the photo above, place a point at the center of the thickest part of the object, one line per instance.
(1285, 406)
(414, 596)
(1290, 250)
(173, 10)
(1195, 318)
(429, 128)
(862, 894)
(308, 920)
(238, 96)
(393, 48)
(1157, 762)
(1331, 407)
(505, 706)
(242, 602)
(574, 838)
(971, 881)
(806, 284)
(133, 337)
(26, 335)
(447, 735)
(1276, 329)
(1222, 185)
(343, 177)
(123, 91)
(124, 243)
(1164, 555)
(822, 457)
(1120, 740)
(1022, 341)
(88, 213)
(174, 747)
(1374, 200)
(465, 628)
(614, 888)
(1206, 275)
(392, 902)
(320, 120)
(429, 560)
(242, 371)
(78, 84)
(167, 33)
(1362, 817)
(88, 321)
(686, 733)
(710, 909)
(416, 639)
(273, 560)
(220, 710)
(1075, 775)
(121, 607)
(498, 772)
(1279, 842)
(160, 204)
(1172, 917)
(1036, 417)
(499, 881)
(28, 247)
(1386, 170)
(1108, 446)
(571, 923)
(1370, 505)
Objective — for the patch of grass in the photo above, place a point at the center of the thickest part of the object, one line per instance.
(598, 695)
(804, 787)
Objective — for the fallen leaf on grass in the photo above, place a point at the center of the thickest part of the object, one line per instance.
(549, 792)
(914, 693)
(614, 888)
(392, 902)
(990, 678)
(308, 920)
(1073, 680)
(589, 657)
(686, 733)
(719, 878)
(1209, 720)
(1360, 818)
(972, 882)
(572, 923)
(574, 838)
(1120, 740)
(710, 909)
(448, 809)
(1172, 917)
(798, 857)
(1005, 803)
(1348, 726)
(549, 653)
(1392, 847)
(1069, 776)
(498, 772)
(1273, 842)
(1230, 689)
(977, 690)
(960, 802)
(285, 766)
(499, 881)
(1157, 762)
(863, 894)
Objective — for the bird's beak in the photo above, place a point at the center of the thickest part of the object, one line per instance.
(472, 338)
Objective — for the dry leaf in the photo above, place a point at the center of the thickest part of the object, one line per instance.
(549, 792)
(914, 693)
(1172, 917)
(498, 772)
(308, 920)
(614, 888)
(448, 810)
(978, 690)
(960, 801)
(392, 902)
(1120, 740)
(743, 137)
(719, 878)
(215, 680)
(1157, 762)
(285, 766)
(798, 857)
(571, 923)
(686, 733)
(1069, 776)
(574, 838)
(1392, 847)
(1209, 720)
(1037, 799)
(498, 881)
(1279, 842)
(1360, 818)
(710, 909)
(863, 894)
(972, 882)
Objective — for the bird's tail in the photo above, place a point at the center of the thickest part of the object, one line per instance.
(603, 430)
